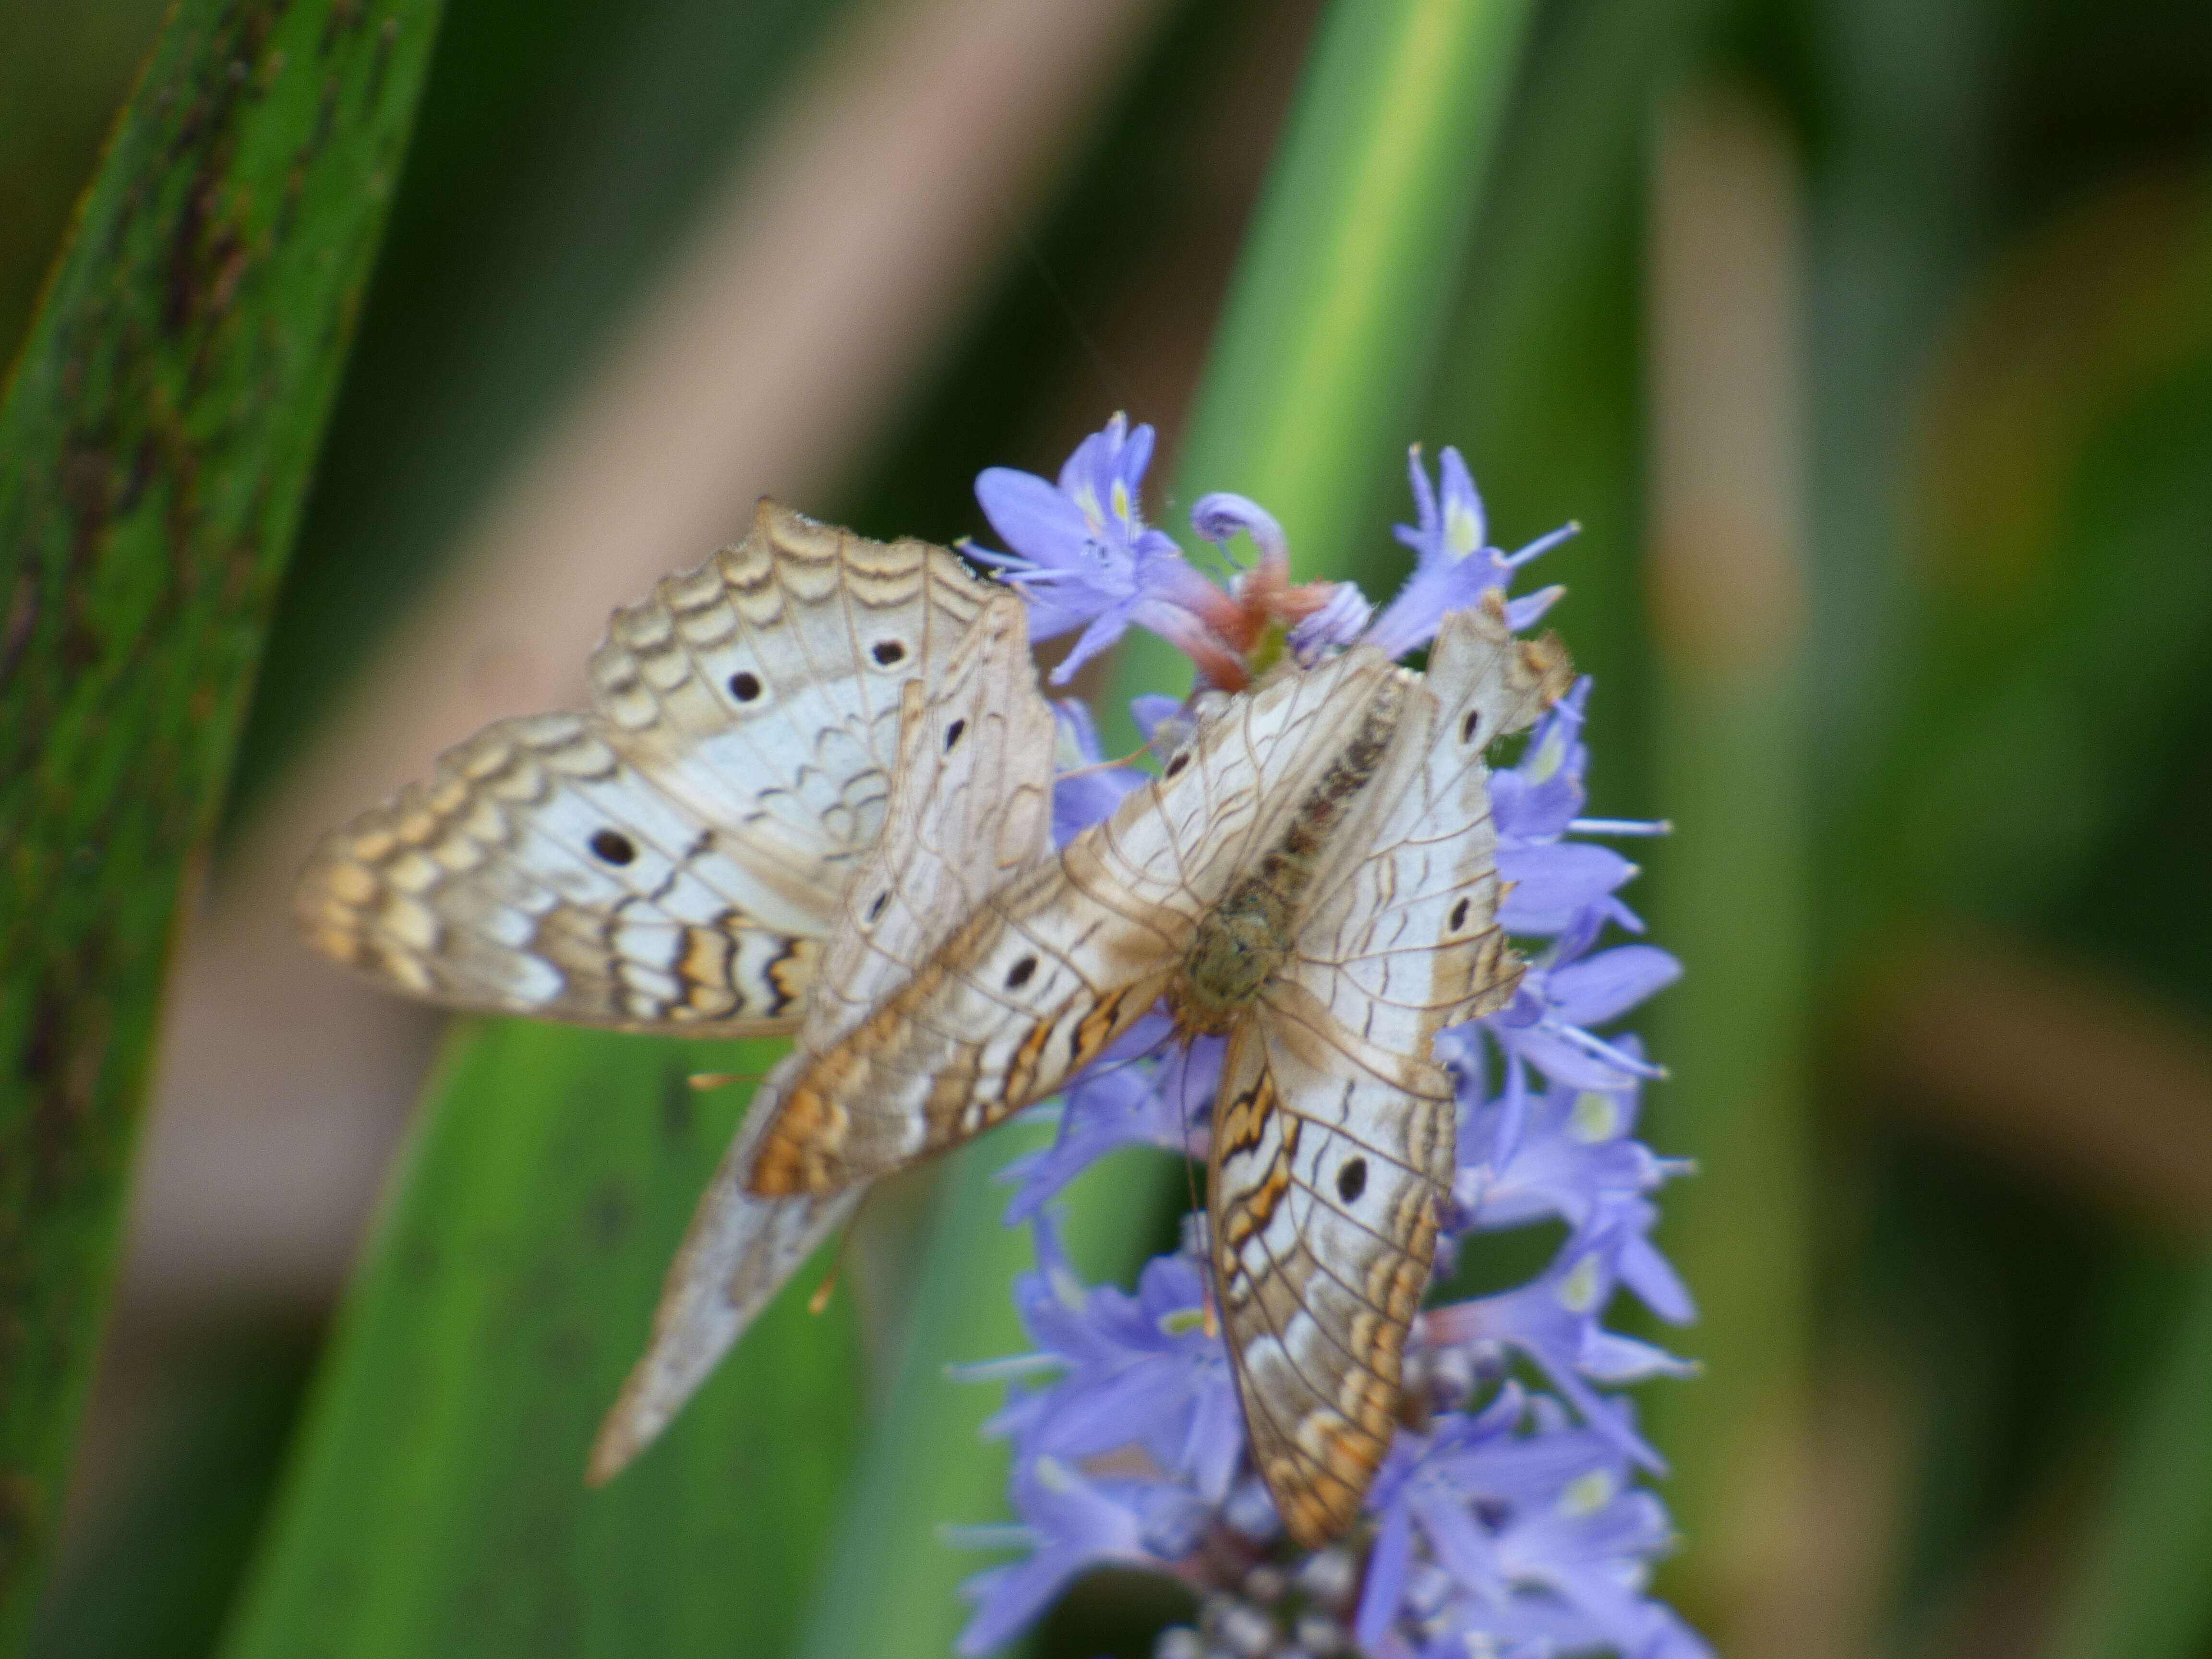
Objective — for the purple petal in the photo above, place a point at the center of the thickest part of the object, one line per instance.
(1339, 622)
(1413, 618)
(1594, 990)
(1217, 1441)
(1465, 527)
(1218, 517)
(1387, 1564)
(1107, 627)
(1037, 521)
(1555, 880)
(1529, 610)
(1152, 708)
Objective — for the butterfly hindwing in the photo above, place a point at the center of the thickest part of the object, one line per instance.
(1329, 1163)
(736, 1255)
(670, 859)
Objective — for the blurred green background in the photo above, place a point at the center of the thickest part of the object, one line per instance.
(1871, 345)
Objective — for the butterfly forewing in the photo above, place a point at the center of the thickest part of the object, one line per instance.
(1179, 843)
(900, 1045)
(969, 802)
(1403, 938)
(909, 1053)
(670, 859)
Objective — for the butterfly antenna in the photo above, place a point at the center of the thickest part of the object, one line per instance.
(1110, 376)
(704, 1080)
(828, 1287)
(1213, 1322)
(1133, 756)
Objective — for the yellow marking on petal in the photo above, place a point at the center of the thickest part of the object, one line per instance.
(1578, 1290)
(1594, 1117)
(1586, 1494)
(1182, 1320)
(1066, 1286)
(1122, 502)
(1055, 1476)
(1550, 757)
(1462, 531)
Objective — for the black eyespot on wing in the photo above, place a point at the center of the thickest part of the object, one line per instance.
(1470, 725)
(952, 735)
(1019, 974)
(1178, 764)
(876, 904)
(613, 846)
(1459, 915)
(745, 687)
(1352, 1180)
(888, 652)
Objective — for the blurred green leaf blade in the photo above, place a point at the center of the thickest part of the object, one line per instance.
(1321, 360)
(155, 442)
(436, 1504)
(2143, 1592)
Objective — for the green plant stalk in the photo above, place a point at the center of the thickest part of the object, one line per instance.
(1320, 360)
(2143, 1592)
(1727, 899)
(156, 439)
(889, 1588)
(1539, 381)
(1322, 357)
(437, 1502)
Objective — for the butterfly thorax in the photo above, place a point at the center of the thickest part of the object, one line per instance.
(1237, 949)
(1245, 940)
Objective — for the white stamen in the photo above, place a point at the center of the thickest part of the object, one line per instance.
(994, 1370)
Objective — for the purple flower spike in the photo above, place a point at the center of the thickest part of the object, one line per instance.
(1511, 1524)
(1083, 557)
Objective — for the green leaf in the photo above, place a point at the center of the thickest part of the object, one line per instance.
(890, 1582)
(158, 432)
(2143, 1592)
(1319, 366)
(437, 1505)
(1317, 371)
